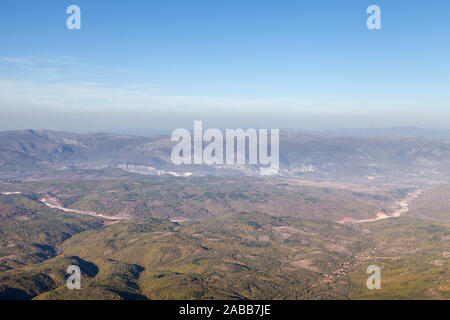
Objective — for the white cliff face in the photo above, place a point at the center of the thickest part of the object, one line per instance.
(145, 170)
(307, 168)
(138, 169)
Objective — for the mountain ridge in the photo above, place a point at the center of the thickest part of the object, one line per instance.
(315, 157)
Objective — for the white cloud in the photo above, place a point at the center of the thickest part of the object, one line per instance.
(102, 97)
(38, 61)
(13, 60)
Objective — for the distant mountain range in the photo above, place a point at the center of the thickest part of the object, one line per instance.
(380, 132)
(387, 159)
(343, 132)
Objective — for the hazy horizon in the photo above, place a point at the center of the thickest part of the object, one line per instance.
(165, 122)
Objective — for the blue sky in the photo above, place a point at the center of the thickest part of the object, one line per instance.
(134, 62)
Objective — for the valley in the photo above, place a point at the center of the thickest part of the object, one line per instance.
(217, 234)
